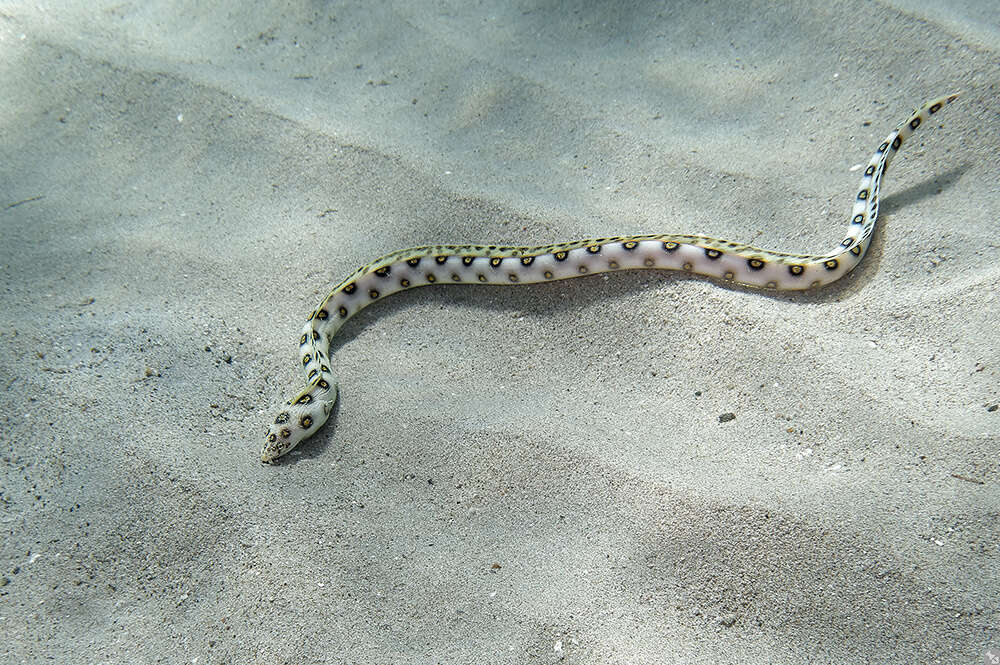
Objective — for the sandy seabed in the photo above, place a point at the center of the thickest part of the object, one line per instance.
(533, 474)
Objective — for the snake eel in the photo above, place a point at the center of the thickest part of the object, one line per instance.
(300, 417)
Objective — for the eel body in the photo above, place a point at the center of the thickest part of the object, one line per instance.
(302, 415)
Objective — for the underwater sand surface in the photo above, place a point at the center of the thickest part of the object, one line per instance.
(533, 474)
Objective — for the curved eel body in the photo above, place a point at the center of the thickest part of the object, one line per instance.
(300, 417)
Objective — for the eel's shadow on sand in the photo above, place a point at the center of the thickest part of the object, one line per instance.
(543, 299)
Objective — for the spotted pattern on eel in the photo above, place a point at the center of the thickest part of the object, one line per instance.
(304, 414)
